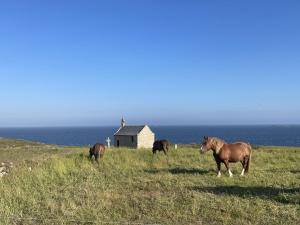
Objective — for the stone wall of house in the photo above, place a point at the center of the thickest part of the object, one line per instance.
(146, 138)
(126, 141)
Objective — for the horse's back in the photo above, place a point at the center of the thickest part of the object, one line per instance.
(161, 145)
(236, 151)
(245, 146)
(240, 144)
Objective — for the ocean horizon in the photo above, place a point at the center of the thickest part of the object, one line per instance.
(268, 135)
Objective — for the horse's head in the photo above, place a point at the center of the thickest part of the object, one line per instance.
(206, 144)
(210, 143)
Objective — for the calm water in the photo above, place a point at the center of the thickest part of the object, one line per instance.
(259, 135)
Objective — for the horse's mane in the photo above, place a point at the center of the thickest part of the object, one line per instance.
(218, 140)
(218, 144)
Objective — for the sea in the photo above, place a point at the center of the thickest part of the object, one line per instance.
(271, 135)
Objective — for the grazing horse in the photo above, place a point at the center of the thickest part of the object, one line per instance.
(228, 153)
(98, 151)
(161, 145)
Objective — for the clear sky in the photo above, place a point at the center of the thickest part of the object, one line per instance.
(152, 61)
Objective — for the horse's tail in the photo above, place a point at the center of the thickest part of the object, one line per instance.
(249, 160)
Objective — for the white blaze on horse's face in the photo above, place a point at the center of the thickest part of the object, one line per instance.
(202, 149)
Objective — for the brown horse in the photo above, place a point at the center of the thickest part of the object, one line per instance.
(228, 153)
(98, 151)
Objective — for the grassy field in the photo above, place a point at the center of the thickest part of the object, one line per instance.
(133, 187)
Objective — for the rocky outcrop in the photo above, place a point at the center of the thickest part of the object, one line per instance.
(5, 167)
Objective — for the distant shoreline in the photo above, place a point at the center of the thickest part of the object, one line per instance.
(182, 125)
(263, 135)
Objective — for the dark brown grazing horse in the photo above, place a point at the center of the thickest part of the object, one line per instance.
(228, 153)
(98, 151)
(161, 145)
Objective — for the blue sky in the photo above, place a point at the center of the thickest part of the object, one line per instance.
(70, 63)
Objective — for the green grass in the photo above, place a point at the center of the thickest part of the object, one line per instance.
(133, 187)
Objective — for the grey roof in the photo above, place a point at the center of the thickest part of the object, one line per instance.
(130, 130)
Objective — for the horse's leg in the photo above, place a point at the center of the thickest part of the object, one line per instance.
(91, 155)
(244, 165)
(219, 168)
(246, 161)
(165, 152)
(227, 167)
(218, 165)
(97, 156)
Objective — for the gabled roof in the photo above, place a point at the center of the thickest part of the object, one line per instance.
(130, 130)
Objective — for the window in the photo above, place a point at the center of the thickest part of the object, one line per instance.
(132, 139)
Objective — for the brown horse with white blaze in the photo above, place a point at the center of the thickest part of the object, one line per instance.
(228, 153)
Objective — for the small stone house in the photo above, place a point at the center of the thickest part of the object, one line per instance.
(134, 136)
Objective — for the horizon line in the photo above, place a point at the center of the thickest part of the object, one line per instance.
(153, 125)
